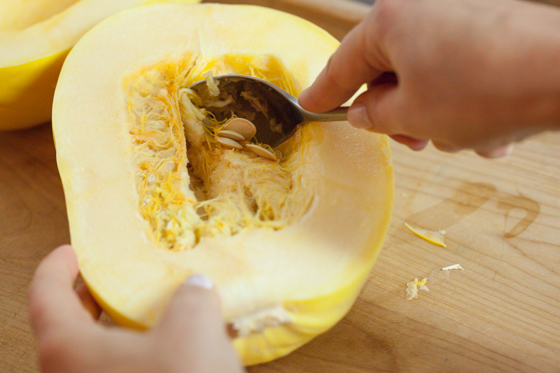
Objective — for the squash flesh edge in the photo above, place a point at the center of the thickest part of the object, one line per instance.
(18, 15)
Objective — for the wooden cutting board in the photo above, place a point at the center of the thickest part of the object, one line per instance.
(502, 218)
(501, 314)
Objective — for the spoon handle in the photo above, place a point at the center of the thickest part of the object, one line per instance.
(336, 115)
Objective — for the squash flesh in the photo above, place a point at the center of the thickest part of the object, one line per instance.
(281, 286)
(17, 14)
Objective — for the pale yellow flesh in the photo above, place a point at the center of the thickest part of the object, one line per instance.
(312, 269)
(58, 32)
(35, 37)
(20, 14)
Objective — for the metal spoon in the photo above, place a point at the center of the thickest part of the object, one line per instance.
(282, 112)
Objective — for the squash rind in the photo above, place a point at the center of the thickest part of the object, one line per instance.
(27, 90)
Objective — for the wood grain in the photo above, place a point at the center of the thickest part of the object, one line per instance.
(503, 226)
(501, 314)
(32, 222)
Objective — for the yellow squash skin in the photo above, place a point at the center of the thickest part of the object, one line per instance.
(27, 90)
(27, 84)
(279, 287)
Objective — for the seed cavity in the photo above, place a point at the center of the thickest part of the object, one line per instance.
(190, 185)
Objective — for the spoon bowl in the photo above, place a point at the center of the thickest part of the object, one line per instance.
(275, 113)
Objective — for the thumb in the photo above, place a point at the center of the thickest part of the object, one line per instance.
(376, 109)
(194, 308)
(193, 328)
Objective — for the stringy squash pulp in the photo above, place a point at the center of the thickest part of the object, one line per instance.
(35, 37)
(152, 197)
(190, 186)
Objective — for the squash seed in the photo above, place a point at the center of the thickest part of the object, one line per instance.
(242, 126)
(231, 135)
(229, 143)
(262, 152)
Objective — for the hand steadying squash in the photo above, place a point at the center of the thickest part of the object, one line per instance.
(190, 337)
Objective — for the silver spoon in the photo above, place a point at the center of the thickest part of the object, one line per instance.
(283, 113)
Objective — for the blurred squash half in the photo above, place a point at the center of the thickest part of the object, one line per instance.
(35, 37)
(152, 197)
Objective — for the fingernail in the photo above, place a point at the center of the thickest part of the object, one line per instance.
(358, 117)
(418, 145)
(447, 148)
(508, 150)
(200, 280)
(497, 152)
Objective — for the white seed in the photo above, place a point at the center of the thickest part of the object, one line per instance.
(231, 135)
(242, 126)
(262, 152)
(229, 143)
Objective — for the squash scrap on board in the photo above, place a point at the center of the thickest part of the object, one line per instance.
(435, 237)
